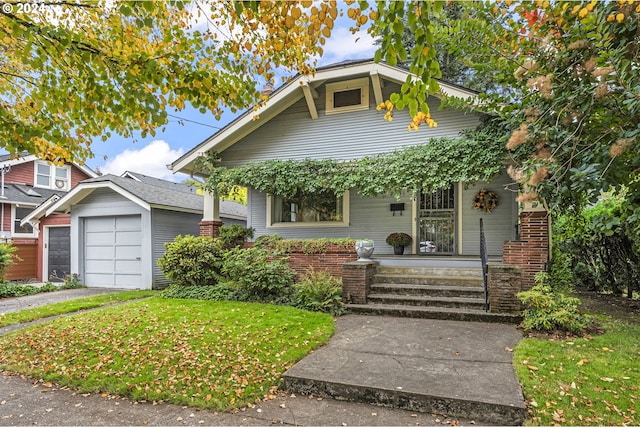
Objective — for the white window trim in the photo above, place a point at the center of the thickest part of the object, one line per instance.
(33, 234)
(319, 224)
(52, 176)
(331, 88)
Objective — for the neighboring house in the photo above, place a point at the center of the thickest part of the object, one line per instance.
(28, 182)
(119, 225)
(332, 115)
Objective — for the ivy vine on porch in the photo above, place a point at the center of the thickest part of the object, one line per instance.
(476, 155)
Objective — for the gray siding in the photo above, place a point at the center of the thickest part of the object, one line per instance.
(105, 202)
(166, 225)
(499, 225)
(370, 218)
(294, 135)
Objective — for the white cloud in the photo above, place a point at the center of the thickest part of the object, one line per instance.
(150, 160)
(345, 46)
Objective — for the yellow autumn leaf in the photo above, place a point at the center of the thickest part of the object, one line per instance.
(620, 17)
(583, 12)
(581, 362)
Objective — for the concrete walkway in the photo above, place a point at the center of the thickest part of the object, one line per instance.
(463, 369)
(8, 305)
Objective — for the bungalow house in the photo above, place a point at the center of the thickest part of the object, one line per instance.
(332, 115)
(29, 182)
(119, 225)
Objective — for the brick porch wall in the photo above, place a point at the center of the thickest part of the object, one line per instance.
(331, 260)
(531, 252)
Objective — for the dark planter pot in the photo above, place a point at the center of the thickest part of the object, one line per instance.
(398, 250)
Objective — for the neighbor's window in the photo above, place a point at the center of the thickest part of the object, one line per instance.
(25, 230)
(324, 208)
(352, 95)
(51, 176)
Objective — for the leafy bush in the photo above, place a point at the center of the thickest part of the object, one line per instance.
(191, 261)
(277, 244)
(10, 290)
(546, 310)
(319, 291)
(7, 256)
(72, 281)
(601, 244)
(234, 235)
(219, 292)
(257, 277)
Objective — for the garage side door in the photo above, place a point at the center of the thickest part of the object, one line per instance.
(113, 251)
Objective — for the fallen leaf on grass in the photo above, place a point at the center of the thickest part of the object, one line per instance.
(606, 379)
(582, 362)
(533, 368)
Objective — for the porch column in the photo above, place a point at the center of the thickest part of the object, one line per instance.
(531, 252)
(211, 222)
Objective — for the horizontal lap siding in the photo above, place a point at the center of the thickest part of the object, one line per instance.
(294, 135)
(166, 225)
(370, 218)
(499, 225)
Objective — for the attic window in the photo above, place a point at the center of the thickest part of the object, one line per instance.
(351, 95)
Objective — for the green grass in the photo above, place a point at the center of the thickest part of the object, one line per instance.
(593, 380)
(71, 306)
(217, 355)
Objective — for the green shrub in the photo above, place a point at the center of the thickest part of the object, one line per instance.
(234, 235)
(7, 257)
(191, 261)
(219, 292)
(319, 291)
(268, 241)
(256, 277)
(546, 310)
(10, 290)
(72, 281)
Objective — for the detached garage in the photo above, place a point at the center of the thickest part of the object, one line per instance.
(119, 225)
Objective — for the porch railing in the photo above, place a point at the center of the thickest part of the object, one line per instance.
(484, 259)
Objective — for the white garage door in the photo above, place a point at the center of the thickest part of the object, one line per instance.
(113, 252)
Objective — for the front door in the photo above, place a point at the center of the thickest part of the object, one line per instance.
(437, 222)
(59, 254)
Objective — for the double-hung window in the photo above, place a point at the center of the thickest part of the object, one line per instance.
(52, 176)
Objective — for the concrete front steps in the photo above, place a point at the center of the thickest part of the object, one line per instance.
(445, 293)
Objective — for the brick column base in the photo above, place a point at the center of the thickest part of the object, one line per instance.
(210, 228)
(504, 283)
(531, 252)
(357, 277)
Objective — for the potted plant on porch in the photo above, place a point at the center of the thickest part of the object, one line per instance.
(399, 241)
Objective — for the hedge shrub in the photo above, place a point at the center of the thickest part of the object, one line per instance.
(257, 277)
(192, 261)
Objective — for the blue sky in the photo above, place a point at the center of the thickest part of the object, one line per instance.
(150, 155)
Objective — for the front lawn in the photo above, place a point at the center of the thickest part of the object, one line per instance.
(217, 355)
(593, 380)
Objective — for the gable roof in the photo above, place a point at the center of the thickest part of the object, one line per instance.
(180, 198)
(145, 191)
(24, 157)
(298, 88)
